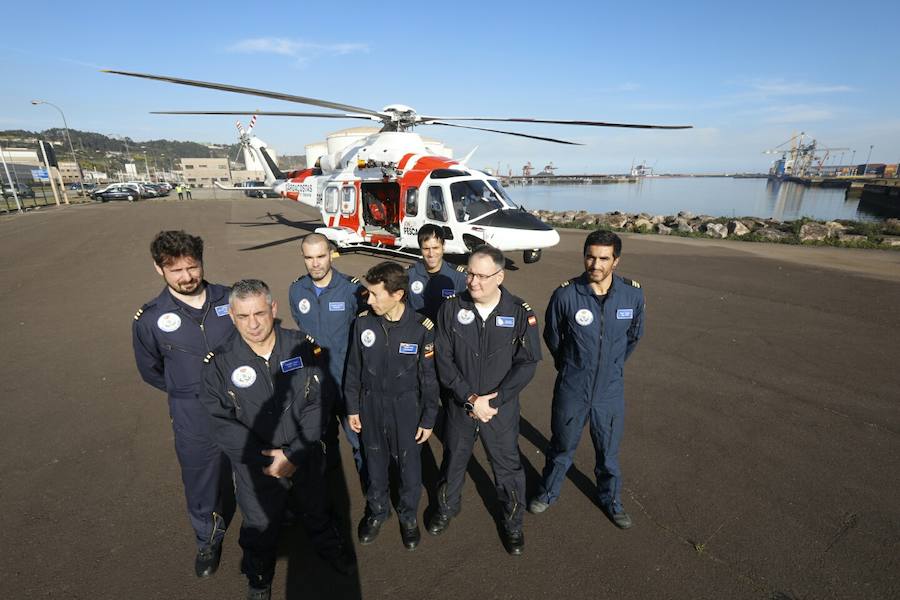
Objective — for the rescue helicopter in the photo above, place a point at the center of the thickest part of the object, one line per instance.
(378, 190)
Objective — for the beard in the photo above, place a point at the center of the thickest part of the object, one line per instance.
(319, 275)
(189, 288)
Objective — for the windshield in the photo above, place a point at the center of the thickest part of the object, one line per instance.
(472, 199)
(502, 192)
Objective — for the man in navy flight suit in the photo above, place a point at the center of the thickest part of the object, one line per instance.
(324, 304)
(432, 280)
(392, 398)
(263, 392)
(171, 334)
(487, 349)
(593, 324)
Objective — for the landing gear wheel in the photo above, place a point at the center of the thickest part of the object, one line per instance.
(531, 256)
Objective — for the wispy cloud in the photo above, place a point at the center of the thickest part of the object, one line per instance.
(782, 87)
(300, 50)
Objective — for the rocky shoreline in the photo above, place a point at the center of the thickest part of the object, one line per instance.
(853, 234)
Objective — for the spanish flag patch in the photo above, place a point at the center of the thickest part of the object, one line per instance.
(428, 351)
(532, 320)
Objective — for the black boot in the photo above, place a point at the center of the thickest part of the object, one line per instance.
(410, 534)
(369, 528)
(207, 561)
(439, 523)
(514, 542)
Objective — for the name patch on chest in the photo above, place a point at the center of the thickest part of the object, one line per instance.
(625, 313)
(222, 310)
(336, 306)
(505, 321)
(409, 348)
(291, 364)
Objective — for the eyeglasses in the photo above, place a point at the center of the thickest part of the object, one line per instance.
(481, 277)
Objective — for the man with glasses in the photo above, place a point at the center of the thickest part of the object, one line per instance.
(487, 350)
(593, 325)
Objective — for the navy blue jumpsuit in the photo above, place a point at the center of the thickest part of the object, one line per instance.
(261, 404)
(392, 385)
(327, 314)
(428, 291)
(170, 340)
(590, 337)
(500, 355)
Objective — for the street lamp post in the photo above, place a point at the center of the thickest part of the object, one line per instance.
(68, 138)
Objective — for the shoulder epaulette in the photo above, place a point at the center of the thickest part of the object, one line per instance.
(316, 349)
(427, 324)
(460, 268)
(450, 297)
(526, 306)
(354, 280)
(208, 357)
(310, 339)
(138, 314)
(565, 283)
(631, 282)
(363, 313)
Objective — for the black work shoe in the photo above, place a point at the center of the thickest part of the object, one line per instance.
(514, 542)
(207, 561)
(369, 528)
(620, 519)
(438, 523)
(537, 506)
(410, 534)
(263, 593)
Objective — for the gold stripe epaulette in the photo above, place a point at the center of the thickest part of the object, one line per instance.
(138, 314)
(427, 324)
(460, 268)
(565, 283)
(354, 280)
(208, 357)
(363, 313)
(526, 306)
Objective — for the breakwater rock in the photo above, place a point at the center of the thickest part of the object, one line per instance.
(859, 234)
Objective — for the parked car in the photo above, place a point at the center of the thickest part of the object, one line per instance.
(117, 192)
(259, 193)
(88, 187)
(21, 189)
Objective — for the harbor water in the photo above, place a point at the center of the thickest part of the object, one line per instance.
(715, 196)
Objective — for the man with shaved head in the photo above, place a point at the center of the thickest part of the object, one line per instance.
(324, 303)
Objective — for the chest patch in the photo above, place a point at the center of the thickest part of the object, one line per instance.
(222, 310)
(409, 348)
(244, 376)
(416, 287)
(168, 322)
(291, 364)
(505, 321)
(584, 317)
(625, 313)
(336, 306)
(303, 306)
(367, 338)
(465, 316)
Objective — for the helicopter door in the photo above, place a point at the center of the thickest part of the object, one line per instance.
(412, 219)
(331, 204)
(436, 212)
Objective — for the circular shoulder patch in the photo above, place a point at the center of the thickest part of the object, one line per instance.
(243, 376)
(169, 322)
(367, 338)
(417, 287)
(584, 317)
(303, 306)
(465, 316)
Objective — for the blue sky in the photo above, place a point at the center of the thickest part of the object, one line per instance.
(747, 76)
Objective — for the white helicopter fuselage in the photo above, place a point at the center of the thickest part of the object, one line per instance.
(381, 189)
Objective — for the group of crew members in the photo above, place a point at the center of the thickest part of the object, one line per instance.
(256, 407)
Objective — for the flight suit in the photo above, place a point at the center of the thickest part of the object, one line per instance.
(428, 291)
(590, 337)
(170, 340)
(259, 404)
(327, 314)
(479, 357)
(392, 385)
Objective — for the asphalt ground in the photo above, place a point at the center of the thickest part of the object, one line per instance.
(761, 451)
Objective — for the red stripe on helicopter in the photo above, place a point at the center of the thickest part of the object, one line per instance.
(402, 164)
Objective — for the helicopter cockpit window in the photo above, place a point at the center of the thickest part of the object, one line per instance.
(502, 192)
(473, 198)
(348, 200)
(331, 200)
(435, 210)
(412, 202)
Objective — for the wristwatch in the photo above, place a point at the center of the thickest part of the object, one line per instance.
(469, 404)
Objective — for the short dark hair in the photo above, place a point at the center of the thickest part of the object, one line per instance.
(249, 287)
(392, 275)
(493, 253)
(171, 245)
(428, 231)
(602, 237)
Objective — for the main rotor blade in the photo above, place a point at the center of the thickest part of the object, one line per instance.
(559, 122)
(251, 92)
(524, 135)
(265, 113)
